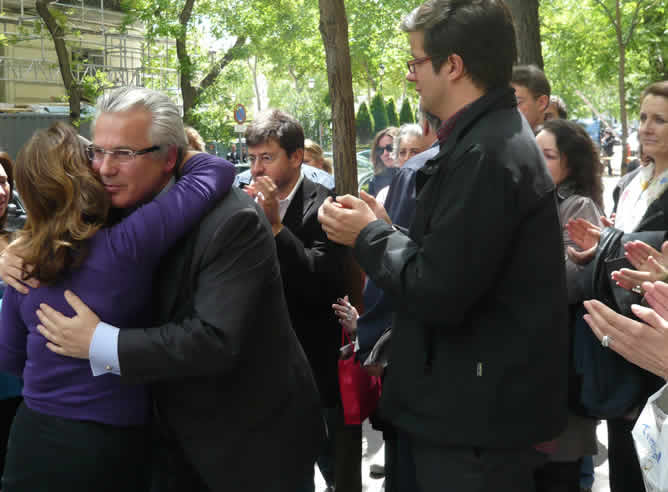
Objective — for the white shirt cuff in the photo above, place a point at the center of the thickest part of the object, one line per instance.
(103, 352)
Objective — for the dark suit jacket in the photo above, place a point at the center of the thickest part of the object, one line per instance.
(230, 380)
(312, 270)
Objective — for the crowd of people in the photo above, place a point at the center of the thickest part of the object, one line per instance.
(168, 325)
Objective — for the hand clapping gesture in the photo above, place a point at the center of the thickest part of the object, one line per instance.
(650, 265)
(586, 236)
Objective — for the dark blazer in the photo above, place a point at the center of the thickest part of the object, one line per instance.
(230, 380)
(312, 271)
(479, 355)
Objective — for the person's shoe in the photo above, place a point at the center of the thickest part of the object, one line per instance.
(376, 471)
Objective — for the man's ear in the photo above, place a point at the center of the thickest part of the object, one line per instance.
(297, 157)
(543, 102)
(455, 68)
(172, 155)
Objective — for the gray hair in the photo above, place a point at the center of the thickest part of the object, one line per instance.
(405, 130)
(166, 127)
(562, 110)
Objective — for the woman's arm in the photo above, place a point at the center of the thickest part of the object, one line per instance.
(147, 233)
(576, 207)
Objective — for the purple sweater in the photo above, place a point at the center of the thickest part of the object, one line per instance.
(115, 280)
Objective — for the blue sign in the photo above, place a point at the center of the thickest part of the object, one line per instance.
(240, 113)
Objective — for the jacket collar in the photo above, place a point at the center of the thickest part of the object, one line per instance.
(494, 99)
(301, 204)
(565, 189)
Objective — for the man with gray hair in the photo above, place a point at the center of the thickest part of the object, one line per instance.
(230, 381)
(556, 109)
(478, 365)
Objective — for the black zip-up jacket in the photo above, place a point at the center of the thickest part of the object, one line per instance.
(480, 346)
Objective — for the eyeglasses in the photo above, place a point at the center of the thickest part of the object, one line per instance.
(264, 158)
(388, 147)
(122, 156)
(416, 61)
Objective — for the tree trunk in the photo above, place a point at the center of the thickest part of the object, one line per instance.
(188, 91)
(527, 26)
(258, 96)
(369, 80)
(72, 86)
(622, 84)
(334, 31)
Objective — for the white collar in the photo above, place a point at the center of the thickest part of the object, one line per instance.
(285, 202)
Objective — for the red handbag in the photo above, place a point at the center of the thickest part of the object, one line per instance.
(360, 391)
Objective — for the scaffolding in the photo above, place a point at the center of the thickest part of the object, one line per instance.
(98, 46)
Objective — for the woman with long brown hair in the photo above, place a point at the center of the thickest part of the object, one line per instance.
(74, 431)
(573, 163)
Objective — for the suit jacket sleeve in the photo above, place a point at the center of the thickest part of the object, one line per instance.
(312, 267)
(231, 267)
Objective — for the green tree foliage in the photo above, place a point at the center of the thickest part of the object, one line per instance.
(392, 116)
(364, 124)
(376, 40)
(582, 57)
(406, 113)
(379, 113)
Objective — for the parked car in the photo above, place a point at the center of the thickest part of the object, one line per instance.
(16, 213)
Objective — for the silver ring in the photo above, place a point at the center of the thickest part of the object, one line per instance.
(349, 316)
(605, 341)
(637, 289)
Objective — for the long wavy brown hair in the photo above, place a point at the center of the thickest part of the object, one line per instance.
(65, 201)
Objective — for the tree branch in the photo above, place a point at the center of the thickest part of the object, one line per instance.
(186, 13)
(608, 13)
(232, 54)
(58, 34)
(634, 22)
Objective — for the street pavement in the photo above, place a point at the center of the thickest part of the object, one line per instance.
(372, 441)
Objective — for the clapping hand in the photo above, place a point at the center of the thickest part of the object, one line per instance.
(583, 233)
(586, 236)
(649, 264)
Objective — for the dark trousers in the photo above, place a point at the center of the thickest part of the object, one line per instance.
(468, 469)
(399, 463)
(625, 474)
(8, 408)
(558, 476)
(348, 469)
(172, 472)
(47, 453)
(327, 459)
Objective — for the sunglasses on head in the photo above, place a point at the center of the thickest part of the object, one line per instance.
(388, 147)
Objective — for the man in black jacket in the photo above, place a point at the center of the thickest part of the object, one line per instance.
(311, 265)
(479, 354)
